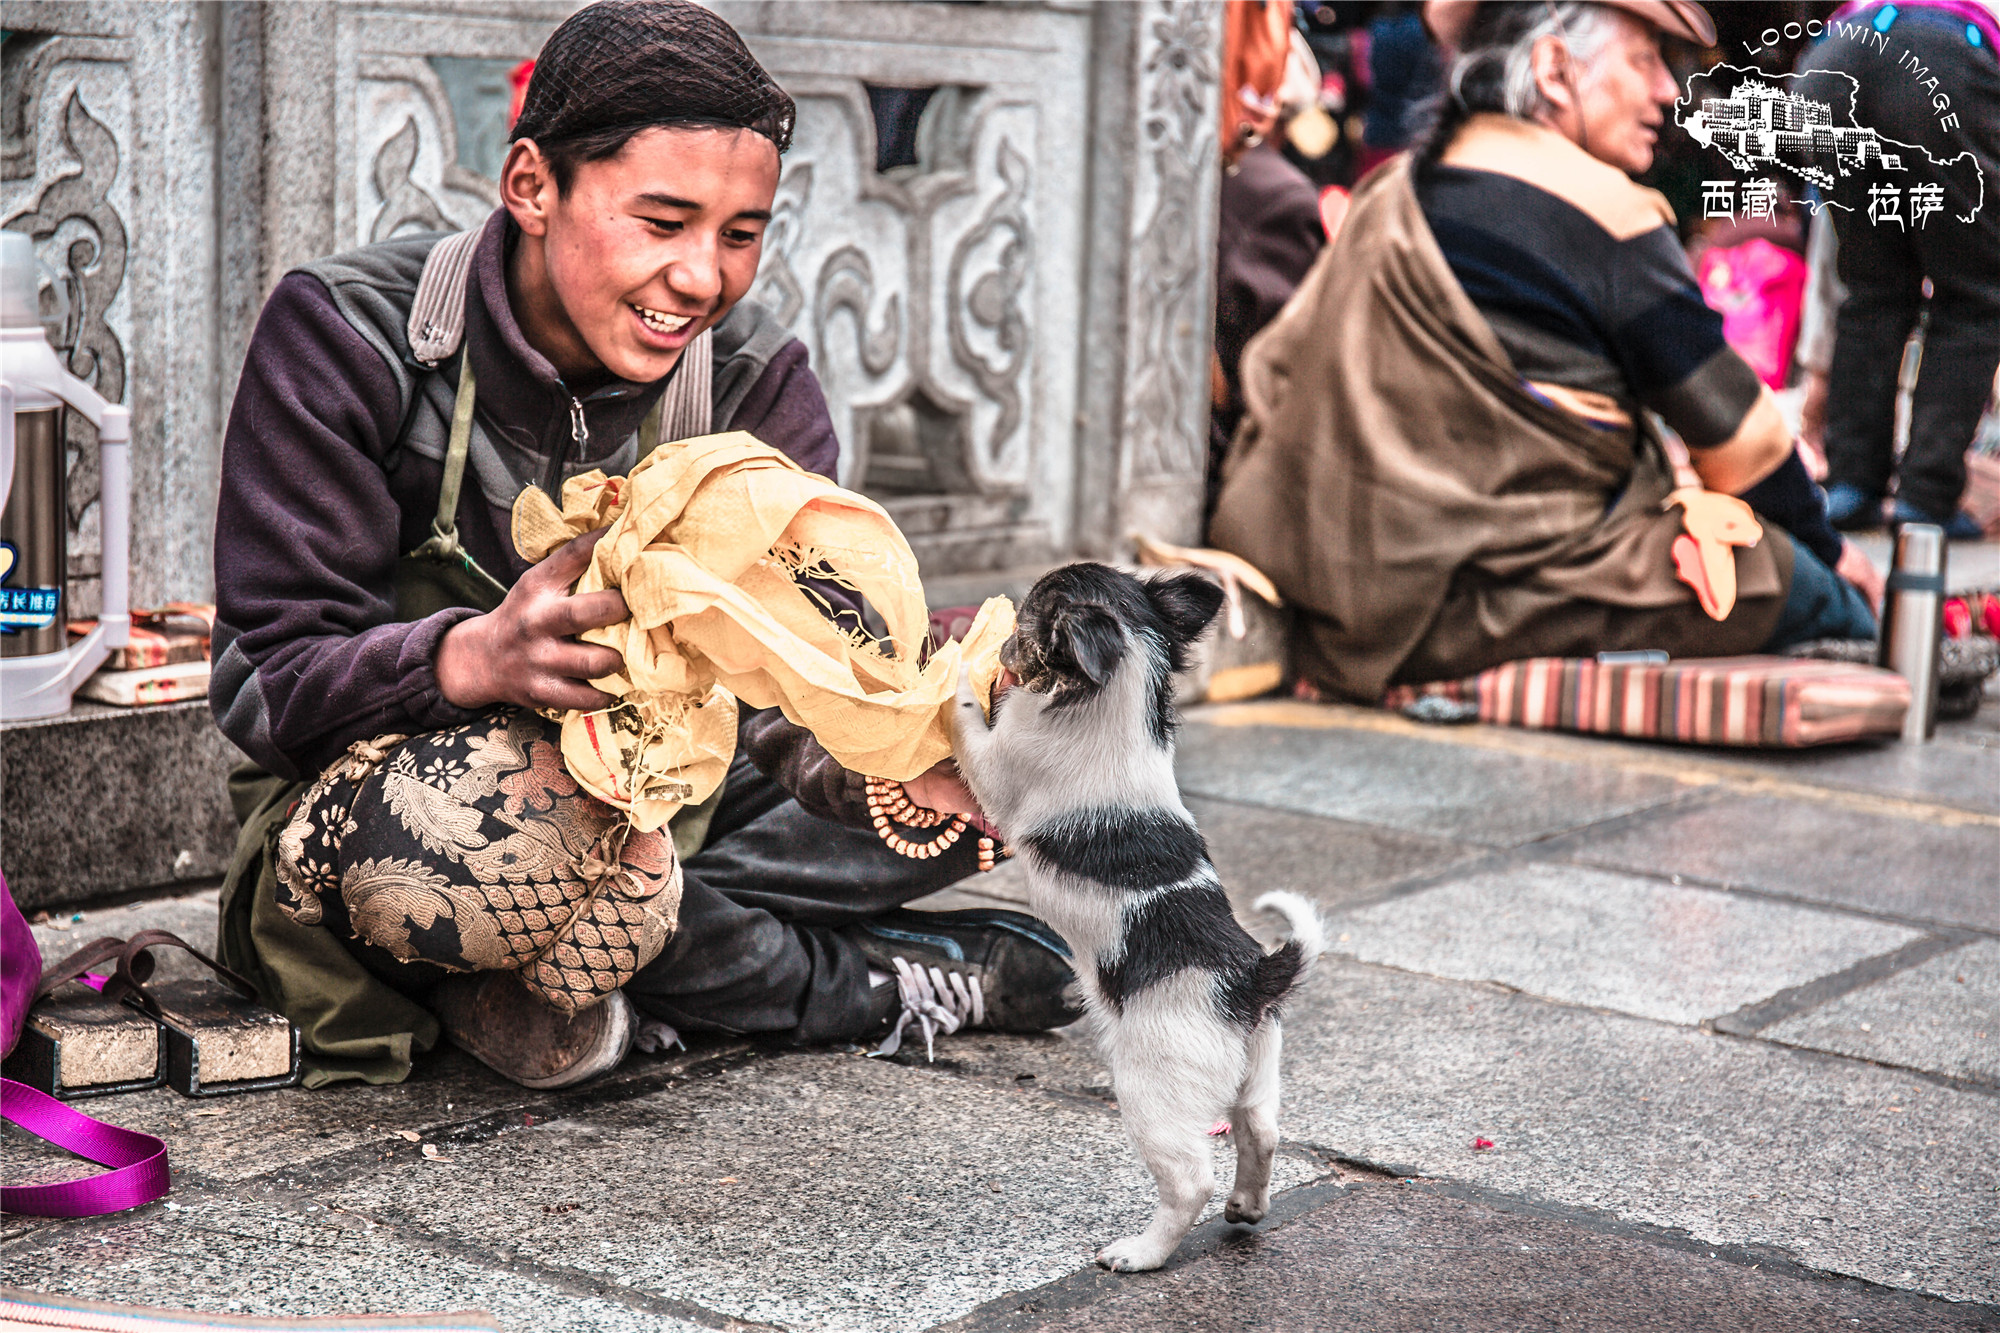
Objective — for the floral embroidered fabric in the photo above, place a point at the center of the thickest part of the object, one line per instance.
(474, 849)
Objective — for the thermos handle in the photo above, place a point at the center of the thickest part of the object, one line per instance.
(114, 440)
(114, 511)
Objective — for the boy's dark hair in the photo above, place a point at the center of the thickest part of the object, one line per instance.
(621, 66)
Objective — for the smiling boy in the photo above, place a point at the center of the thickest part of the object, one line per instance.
(634, 201)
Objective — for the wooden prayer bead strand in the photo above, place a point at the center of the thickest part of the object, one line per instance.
(889, 804)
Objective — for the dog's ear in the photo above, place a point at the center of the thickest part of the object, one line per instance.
(1085, 643)
(1187, 602)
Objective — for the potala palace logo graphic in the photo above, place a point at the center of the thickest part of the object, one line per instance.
(1803, 125)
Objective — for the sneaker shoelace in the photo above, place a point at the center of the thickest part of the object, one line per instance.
(935, 1001)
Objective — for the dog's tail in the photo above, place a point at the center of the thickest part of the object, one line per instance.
(1303, 926)
(1280, 971)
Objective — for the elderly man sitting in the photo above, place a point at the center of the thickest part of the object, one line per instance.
(1446, 460)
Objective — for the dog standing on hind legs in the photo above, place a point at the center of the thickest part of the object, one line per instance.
(1076, 767)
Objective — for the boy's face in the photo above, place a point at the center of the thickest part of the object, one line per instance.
(646, 250)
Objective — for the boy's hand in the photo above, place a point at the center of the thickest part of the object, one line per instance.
(941, 788)
(522, 652)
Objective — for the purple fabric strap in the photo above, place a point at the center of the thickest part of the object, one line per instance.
(138, 1161)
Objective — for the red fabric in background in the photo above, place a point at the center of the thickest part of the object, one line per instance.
(1759, 289)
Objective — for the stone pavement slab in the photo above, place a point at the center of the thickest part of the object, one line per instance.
(1611, 941)
(1408, 782)
(1257, 849)
(1956, 770)
(1332, 862)
(1929, 871)
(241, 1137)
(228, 1255)
(1840, 1165)
(1942, 1016)
(1064, 1062)
(188, 915)
(821, 1191)
(1406, 1258)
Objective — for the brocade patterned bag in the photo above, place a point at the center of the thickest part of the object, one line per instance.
(473, 848)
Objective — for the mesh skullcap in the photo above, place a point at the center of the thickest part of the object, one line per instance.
(632, 64)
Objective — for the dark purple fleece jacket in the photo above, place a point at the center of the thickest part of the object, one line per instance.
(317, 505)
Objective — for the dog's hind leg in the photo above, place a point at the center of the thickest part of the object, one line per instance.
(1254, 1122)
(1169, 1130)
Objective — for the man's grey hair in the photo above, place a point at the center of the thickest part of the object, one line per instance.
(1584, 29)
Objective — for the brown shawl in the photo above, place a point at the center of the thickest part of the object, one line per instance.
(1427, 514)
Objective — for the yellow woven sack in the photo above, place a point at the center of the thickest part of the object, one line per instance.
(709, 540)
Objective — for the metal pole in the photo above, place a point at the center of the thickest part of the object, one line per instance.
(1913, 623)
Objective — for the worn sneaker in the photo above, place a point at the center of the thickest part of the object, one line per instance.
(492, 1017)
(1003, 971)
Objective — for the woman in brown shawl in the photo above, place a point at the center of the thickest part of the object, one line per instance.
(1447, 460)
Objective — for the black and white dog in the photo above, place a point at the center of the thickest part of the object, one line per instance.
(1076, 767)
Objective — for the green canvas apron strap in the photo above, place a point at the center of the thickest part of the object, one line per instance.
(440, 573)
(444, 528)
(649, 429)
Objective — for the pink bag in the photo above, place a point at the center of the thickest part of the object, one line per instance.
(138, 1161)
(1759, 289)
(20, 969)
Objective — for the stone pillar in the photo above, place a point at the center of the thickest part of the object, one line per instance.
(1154, 188)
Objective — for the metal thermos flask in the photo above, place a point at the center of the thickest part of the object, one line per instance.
(39, 667)
(34, 539)
(1913, 622)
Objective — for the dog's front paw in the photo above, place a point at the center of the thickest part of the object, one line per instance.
(1134, 1254)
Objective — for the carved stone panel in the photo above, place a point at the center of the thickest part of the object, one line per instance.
(68, 108)
(406, 140)
(939, 296)
(402, 82)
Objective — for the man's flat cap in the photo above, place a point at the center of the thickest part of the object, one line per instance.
(1448, 19)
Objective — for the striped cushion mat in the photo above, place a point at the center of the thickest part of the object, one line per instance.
(1780, 702)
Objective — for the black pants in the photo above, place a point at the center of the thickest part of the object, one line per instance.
(1884, 265)
(760, 947)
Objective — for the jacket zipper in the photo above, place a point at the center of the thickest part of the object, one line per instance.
(579, 439)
